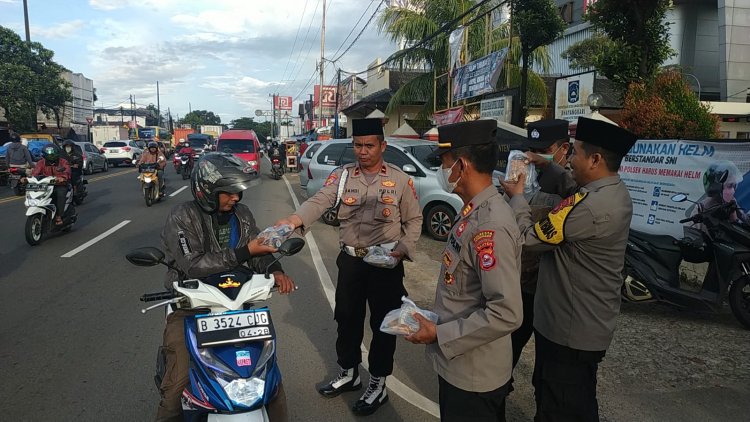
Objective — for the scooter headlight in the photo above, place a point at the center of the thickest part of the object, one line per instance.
(245, 391)
(147, 179)
(252, 163)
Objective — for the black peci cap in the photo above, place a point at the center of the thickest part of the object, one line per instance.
(606, 135)
(457, 135)
(366, 127)
(544, 133)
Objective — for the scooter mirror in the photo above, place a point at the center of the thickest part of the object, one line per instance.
(291, 246)
(145, 257)
(680, 197)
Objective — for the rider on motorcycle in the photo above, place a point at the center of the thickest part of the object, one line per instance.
(18, 154)
(184, 148)
(52, 164)
(277, 152)
(211, 234)
(154, 155)
(75, 159)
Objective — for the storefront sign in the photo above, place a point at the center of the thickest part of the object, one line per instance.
(571, 96)
(496, 108)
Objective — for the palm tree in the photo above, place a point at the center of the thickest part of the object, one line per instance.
(421, 18)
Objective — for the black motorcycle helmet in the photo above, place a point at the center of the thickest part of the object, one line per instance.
(50, 154)
(712, 183)
(153, 144)
(220, 172)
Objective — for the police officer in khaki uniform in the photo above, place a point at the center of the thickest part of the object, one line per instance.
(549, 139)
(377, 206)
(578, 294)
(478, 298)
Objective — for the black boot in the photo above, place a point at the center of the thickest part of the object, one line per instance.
(375, 396)
(347, 380)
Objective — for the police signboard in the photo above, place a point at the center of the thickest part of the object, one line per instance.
(496, 108)
(571, 96)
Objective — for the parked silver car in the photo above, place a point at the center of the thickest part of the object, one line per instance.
(439, 208)
(93, 159)
(304, 162)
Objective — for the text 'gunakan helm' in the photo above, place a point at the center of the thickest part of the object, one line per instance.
(219, 172)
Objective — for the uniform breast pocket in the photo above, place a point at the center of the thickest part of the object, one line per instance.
(387, 209)
(350, 204)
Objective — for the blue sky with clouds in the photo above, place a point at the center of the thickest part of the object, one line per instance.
(221, 55)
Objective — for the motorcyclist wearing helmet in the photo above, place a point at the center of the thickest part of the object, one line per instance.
(52, 164)
(277, 152)
(184, 148)
(212, 233)
(154, 155)
(74, 155)
(720, 193)
(18, 154)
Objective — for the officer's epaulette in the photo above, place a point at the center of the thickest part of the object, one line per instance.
(395, 167)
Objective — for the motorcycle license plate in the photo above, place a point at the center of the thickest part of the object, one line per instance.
(233, 327)
(36, 188)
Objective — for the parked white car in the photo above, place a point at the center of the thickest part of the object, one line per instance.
(124, 151)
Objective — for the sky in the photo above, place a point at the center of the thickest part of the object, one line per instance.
(225, 56)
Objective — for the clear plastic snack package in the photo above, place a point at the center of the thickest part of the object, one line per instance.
(379, 256)
(275, 235)
(401, 321)
(519, 164)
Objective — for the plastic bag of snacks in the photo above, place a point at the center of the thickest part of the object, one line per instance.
(401, 321)
(379, 256)
(519, 164)
(275, 235)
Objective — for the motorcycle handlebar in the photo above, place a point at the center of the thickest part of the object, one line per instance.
(153, 297)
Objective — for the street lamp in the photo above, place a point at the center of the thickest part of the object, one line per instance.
(595, 101)
(696, 81)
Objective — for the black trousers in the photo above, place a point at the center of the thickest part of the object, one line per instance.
(381, 289)
(565, 382)
(521, 336)
(59, 193)
(457, 405)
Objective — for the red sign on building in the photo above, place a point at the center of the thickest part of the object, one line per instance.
(282, 103)
(329, 96)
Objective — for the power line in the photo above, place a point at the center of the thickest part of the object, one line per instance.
(315, 72)
(442, 29)
(302, 47)
(291, 52)
(360, 32)
(353, 28)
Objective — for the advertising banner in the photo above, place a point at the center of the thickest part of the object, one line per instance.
(655, 170)
(478, 77)
(282, 103)
(329, 96)
(456, 41)
(571, 96)
(452, 115)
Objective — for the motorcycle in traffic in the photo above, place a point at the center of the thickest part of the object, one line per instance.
(150, 183)
(79, 190)
(232, 345)
(652, 264)
(276, 169)
(41, 211)
(185, 165)
(15, 174)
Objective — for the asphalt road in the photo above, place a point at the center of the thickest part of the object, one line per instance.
(74, 345)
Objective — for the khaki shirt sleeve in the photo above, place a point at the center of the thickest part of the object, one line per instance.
(571, 220)
(411, 220)
(495, 255)
(556, 180)
(311, 210)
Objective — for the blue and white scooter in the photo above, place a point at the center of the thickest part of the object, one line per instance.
(233, 369)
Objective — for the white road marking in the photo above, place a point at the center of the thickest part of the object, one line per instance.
(96, 239)
(178, 191)
(396, 386)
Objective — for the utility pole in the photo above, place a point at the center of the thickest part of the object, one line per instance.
(122, 116)
(190, 108)
(336, 118)
(273, 127)
(322, 66)
(158, 106)
(26, 19)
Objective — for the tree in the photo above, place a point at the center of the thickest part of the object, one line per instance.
(638, 35)
(418, 19)
(152, 119)
(538, 23)
(589, 53)
(666, 108)
(200, 117)
(261, 129)
(30, 80)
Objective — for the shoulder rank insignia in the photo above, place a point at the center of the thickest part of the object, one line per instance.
(551, 228)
